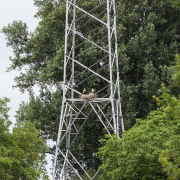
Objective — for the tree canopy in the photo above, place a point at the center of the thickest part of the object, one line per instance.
(22, 151)
(170, 159)
(135, 155)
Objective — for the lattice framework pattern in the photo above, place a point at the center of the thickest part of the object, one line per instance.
(90, 33)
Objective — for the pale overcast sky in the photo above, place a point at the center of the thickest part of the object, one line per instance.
(14, 10)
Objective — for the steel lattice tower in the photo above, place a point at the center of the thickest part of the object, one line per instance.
(101, 41)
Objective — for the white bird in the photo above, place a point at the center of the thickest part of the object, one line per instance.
(93, 94)
(84, 90)
(83, 95)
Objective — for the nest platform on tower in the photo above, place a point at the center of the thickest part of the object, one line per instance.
(89, 96)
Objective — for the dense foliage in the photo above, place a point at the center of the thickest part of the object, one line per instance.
(170, 159)
(148, 32)
(148, 40)
(135, 156)
(22, 151)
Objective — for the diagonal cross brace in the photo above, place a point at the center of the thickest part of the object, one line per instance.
(70, 164)
(99, 118)
(88, 14)
(90, 70)
(68, 128)
(89, 40)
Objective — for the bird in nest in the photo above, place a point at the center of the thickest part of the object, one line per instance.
(89, 96)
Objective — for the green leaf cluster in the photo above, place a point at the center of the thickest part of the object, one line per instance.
(170, 159)
(135, 155)
(43, 111)
(177, 68)
(22, 151)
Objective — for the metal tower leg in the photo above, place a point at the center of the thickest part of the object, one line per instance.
(90, 31)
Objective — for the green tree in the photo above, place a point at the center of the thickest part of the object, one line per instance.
(43, 111)
(148, 32)
(170, 159)
(135, 156)
(22, 151)
(176, 3)
(176, 75)
(148, 39)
